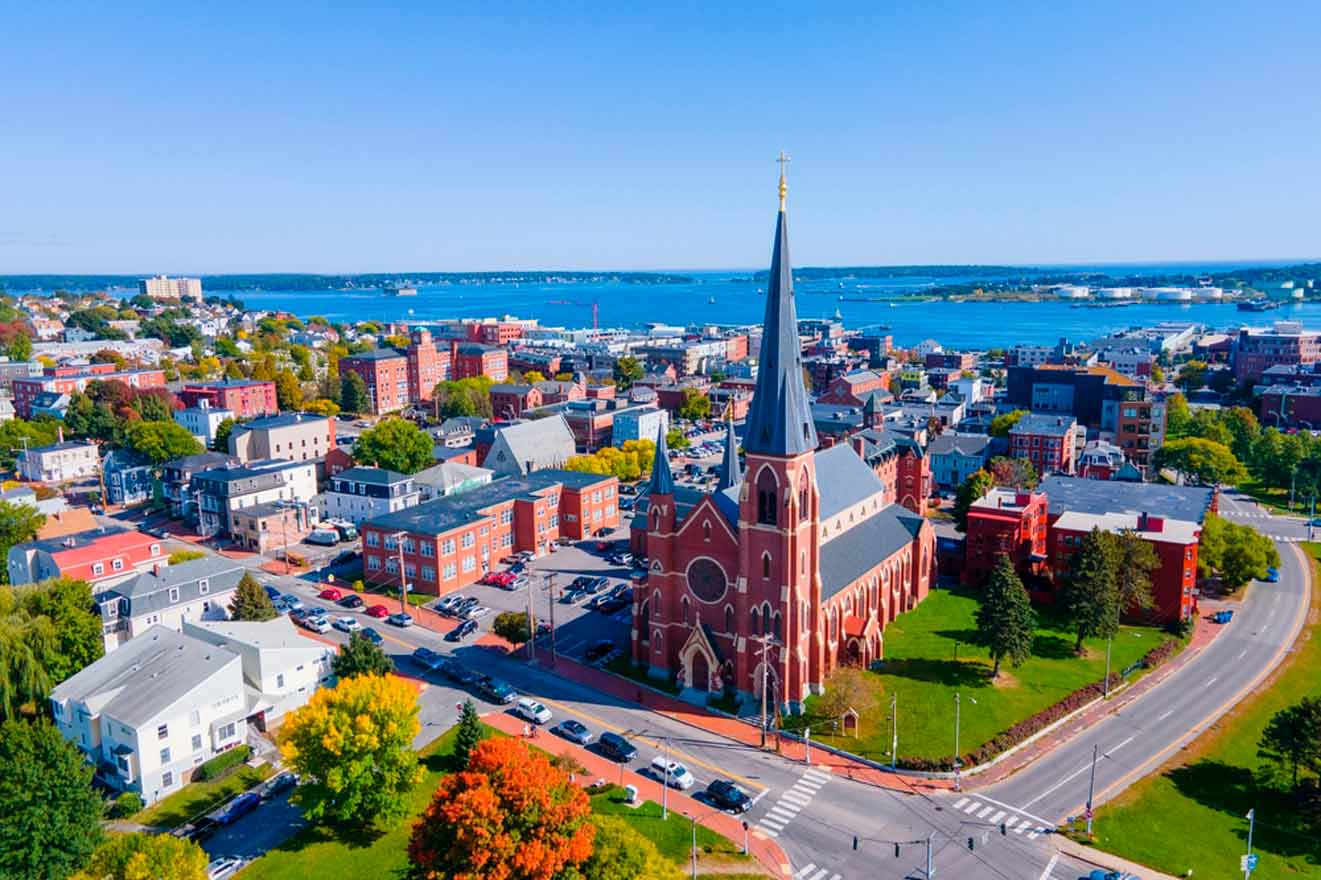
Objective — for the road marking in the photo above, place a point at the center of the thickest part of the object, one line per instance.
(819, 874)
(1167, 714)
(808, 785)
(1011, 821)
(761, 794)
(781, 814)
(803, 872)
(767, 831)
(1033, 834)
(997, 817)
(1050, 866)
(984, 812)
(1210, 681)
(1083, 769)
(819, 775)
(1021, 828)
(794, 797)
(1013, 809)
(972, 806)
(771, 823)
(960, 802)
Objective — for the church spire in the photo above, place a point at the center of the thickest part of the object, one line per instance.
(662, 480)
(780, 420)
(731, 474)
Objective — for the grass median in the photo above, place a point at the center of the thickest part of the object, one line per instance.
(1191, 815)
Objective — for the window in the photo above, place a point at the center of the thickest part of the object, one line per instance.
(226, 731)
(765, 565)
(163, 731)
(174, 594)
(165, 755)
(429, 550)
(117, 564)
(428, 573)
(372, 539)
(766, 497)
(450, 571)
(167, 778)
(447, 547)
(469, 563)
(197, 742)
(279, 680)
(392, 565)
(98, 568)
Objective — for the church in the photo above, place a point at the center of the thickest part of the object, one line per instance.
(797, 560)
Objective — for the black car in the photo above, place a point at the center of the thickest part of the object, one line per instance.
(346, 556)
(573, 731)
(497, 691)
(462, 631)
(281, 782)
(596, 585)
(611, 604)
(598, 650)
(728, 796)
(458, 673)
(351, 602)
(616, 748)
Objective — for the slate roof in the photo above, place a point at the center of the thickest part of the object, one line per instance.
(1043, 424)
(372, 476)
(1104, 496)
(843, 479)
(848, 556)
(146, 675)
(283, 420)
(662, 480)
(376, 354)
(959, 444)
(150, 592)
(538, 441)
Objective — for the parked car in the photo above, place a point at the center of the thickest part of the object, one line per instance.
(280, 606)
(345, 557)
(347, 624)
(347, 531)
(278, 784)
(728, 796)
(317, 623)
(616, 748)
(380, 612)
(372, 636)
(672, 773)
(497, 691)
(428, 659)
(530, 710)
(323, 537)
(462, 631)
(612, 603)
(573, 731)
(449, 604)
(351, 602)
(1272, 575)
(599, 650)
(237, 808)
(473, 612)
(400, 619)
(458, 673)
(271, 591)
(225, 866)
(292, 602)
(330, 594)
(1098, 874)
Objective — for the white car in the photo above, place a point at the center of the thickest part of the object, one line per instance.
(477, 611)
(225, 866)
(672, 773)
(347, 624)
(530, 710)
(317, 624)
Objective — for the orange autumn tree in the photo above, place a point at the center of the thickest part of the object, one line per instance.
(510, 815)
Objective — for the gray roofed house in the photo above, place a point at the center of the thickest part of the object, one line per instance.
(1065, 494)
(199, 589)
(523, 447)
(147, 714)
(450, 478)
(954, 457)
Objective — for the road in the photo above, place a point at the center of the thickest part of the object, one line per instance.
(816, 815)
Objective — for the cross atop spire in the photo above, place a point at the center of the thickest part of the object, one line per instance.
(784, 160)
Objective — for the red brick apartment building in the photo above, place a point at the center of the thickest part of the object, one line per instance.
(427, 367)
(385, 373)
(1286, 344)
(472, 359)
(1010, 522)
(246, 398)
(450, 542)
(511, 401)
(1048, 441)
(68, 379)
(498, 333)
(853, 389)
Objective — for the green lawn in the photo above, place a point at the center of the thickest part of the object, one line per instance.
(1276, 499)
(1213, 784)
(382, 852)
(929, 656)
(623, 666)
(197, 798)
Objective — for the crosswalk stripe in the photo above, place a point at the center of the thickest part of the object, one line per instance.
(795, 798)
(810, 783)
(972, 806)
(958, 805)
(817, 776)
(1033, 834)
(997, 817)
(1021, 828)
(781, 815)
(771, 823)
(819, 874)
(803, 872)
(982, 814)
(768, 832)
(1011, 821)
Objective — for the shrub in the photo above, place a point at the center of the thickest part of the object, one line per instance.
(180, 556)
(127, 804)
(357, 586)
(223, 763)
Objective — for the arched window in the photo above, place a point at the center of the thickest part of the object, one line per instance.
(766, 487)
(756, 621)
(683, 606)
(765, 565)
(655, 518)
(706, 530)
(802, 500)
(644, 621)
(766, 621)
(802, 562)
(779, 626)
(729, 618)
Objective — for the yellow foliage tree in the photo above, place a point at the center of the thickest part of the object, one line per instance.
(353, 746)
(145, 857)
(532, 376)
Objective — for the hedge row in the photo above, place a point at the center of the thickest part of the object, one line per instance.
(1034, 724)
(221, 764)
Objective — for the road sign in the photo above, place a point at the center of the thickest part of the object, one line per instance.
(1247, 862)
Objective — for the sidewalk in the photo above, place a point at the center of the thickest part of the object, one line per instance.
(1105, 860)
(1205, 633)
(766, 851)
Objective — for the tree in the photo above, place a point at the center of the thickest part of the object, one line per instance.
(1088, 594)
(47, 632)
(322, 407)
(162, 441)
(1292, 739)
(531, 377)
(288, 390)
(512, 626)
(21, 348)
(397, 445)
(848, 687)
(1236, 553)
(1135, 560)
(1002, 424)
(676, 439)
(1006, 623)
(978, 483)
(251, 601)
(179, 556)
(19, 523)
(510, 815)
(627, 371)
(154, 405)
(1177, 416)
(353, 394)
(353, 746)
(361, 656)
(146, 857)
(14, 432)
(220, 443)
(1202, 461)
(1192, 375)
(52, 813)
(469, 734)
(696, 405)
(619, 852)
(1015, 473)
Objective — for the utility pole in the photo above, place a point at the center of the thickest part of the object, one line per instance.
(931, 872)
(531, 626)
(957, 711)
(693, 819)
(554, 597)
(1105, 687)
(1311, 517)
(1091, 788)
(1247, 862)
(403, 583)
(665, 780)
(894, 731)
(765, 668)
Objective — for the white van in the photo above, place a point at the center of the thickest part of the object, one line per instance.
(530, 710)
(672, 773)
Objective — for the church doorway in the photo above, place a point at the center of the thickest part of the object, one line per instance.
(701, 675)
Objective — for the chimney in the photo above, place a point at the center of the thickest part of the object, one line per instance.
(60, 433)
(156, 569)
(859, 445)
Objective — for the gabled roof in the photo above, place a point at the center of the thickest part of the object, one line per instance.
(149, 592)
(848, 556)
(843, 479)
(541, 442)
(374, 476)
(959, 444)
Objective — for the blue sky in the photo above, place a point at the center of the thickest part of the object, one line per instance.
(232, 137)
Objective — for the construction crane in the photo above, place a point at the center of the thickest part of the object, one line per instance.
(572, 302)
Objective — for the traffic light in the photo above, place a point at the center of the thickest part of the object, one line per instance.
(1004, 829)
(896, 850)
(972, 845)
(855, 841)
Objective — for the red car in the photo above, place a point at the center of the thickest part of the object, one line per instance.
(331, 594)
(602, 546)
(379, 611)
(503, 578)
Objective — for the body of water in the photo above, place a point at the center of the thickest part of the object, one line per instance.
(727, 298)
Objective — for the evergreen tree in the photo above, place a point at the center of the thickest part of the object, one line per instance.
(251, 602)
(1292, 739)
(978, 484)
(1135, 560)
(220, 443)
(1089, 596)
(353, 394)
(469, 735)
(1006, 622)
(361, 656)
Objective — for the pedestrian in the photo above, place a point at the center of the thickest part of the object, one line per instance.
(527, 732)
